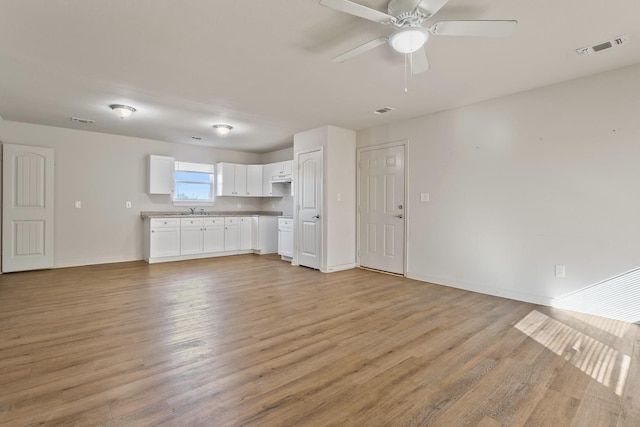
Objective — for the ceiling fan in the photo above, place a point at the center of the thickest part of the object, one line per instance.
(409, 36)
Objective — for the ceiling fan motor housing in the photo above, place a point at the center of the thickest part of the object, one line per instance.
(406, 13)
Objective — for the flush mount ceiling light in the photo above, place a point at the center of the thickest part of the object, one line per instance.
(122, 111)
(222, 130)
(409, 39)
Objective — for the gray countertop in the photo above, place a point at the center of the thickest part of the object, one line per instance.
(185, 214)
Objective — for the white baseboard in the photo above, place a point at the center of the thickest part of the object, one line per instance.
(487, 290)
(340, 267)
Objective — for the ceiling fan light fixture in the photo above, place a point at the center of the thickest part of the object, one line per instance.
(222, 129)
(122, 111)
(408, 39)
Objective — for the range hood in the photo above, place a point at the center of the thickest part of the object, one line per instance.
(281, 178)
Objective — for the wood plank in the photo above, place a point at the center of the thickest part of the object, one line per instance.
(251, 340)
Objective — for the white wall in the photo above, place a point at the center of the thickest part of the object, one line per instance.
(524, 182)
(104, 171)
(339, 177)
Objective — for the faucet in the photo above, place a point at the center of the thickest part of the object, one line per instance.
(202, 211)
(193, 211)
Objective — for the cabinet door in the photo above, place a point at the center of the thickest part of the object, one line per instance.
(285, 242)
(231, 237)
(226, 179)
(245, 232)
(191, 240)
(254, 180)
(213, 238)
(287, 168)
(161, 169)
(165, 241)
(240, 180)
(267, 175)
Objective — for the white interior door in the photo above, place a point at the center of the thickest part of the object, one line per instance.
(310, 209)
(27, 207)
(381, 208)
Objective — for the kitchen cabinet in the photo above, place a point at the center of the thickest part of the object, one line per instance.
(164, 238)
(191, 236)
(161, 170)
(201, 235)
(246, 225)
(213, 235)
(267, 176)
(285, 237)
(231, 179)
(254, 180)
(231, 233)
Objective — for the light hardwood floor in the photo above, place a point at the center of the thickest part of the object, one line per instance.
(250, 340)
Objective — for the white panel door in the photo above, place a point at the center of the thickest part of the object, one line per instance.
(309, 228)
(191, 239)
(27, 207)
(240, 180)
(254, 180)
(381, 208)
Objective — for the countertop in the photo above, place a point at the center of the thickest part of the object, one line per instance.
(185, 214)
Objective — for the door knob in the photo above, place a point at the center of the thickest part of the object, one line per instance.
(399, 216)
(316, 217)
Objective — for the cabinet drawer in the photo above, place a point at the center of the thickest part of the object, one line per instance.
(164, 222)
(230, 220)
(285, 223)
(190, 221)
(214, 221)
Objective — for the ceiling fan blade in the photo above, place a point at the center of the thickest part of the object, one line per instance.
(419, 62)
(360, 49)
(431, 7)
(359, 10)
(474, 28)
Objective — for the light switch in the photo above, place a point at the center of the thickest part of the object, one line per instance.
(127, 205)
(78, 204)
(424, 197)
(560, 271)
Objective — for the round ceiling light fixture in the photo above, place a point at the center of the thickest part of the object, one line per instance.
(222, 130)
(122, 111)
(409, 39)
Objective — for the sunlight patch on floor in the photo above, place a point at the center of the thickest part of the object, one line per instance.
(600, 361)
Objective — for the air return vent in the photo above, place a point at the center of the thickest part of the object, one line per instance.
(618, 41)
(80, 120)
(383, 110)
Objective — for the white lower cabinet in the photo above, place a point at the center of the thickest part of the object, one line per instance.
(231, 233)
(173, 239)
(213, 235)
(285, 237)
(191, 236)
(246, 227)
(163, 237)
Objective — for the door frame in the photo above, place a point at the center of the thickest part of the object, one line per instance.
(405, 145)
(296, 207)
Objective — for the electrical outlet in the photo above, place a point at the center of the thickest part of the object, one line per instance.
(78, 204)
(127, 205)
(560, 271)
(424, 197)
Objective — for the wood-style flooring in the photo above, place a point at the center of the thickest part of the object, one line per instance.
(252, 341)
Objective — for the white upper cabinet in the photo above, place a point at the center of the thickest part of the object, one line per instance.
(254, 180)
(161, 169)
(232, 179)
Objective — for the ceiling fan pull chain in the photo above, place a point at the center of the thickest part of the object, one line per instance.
(406, 72)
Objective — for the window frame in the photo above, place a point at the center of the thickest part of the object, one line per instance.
(198, 168)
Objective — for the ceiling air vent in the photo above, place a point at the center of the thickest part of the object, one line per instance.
(383, 110)
(197, 138)
(79, 120)
(618, 41)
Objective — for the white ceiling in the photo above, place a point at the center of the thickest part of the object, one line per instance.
(265, 67)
